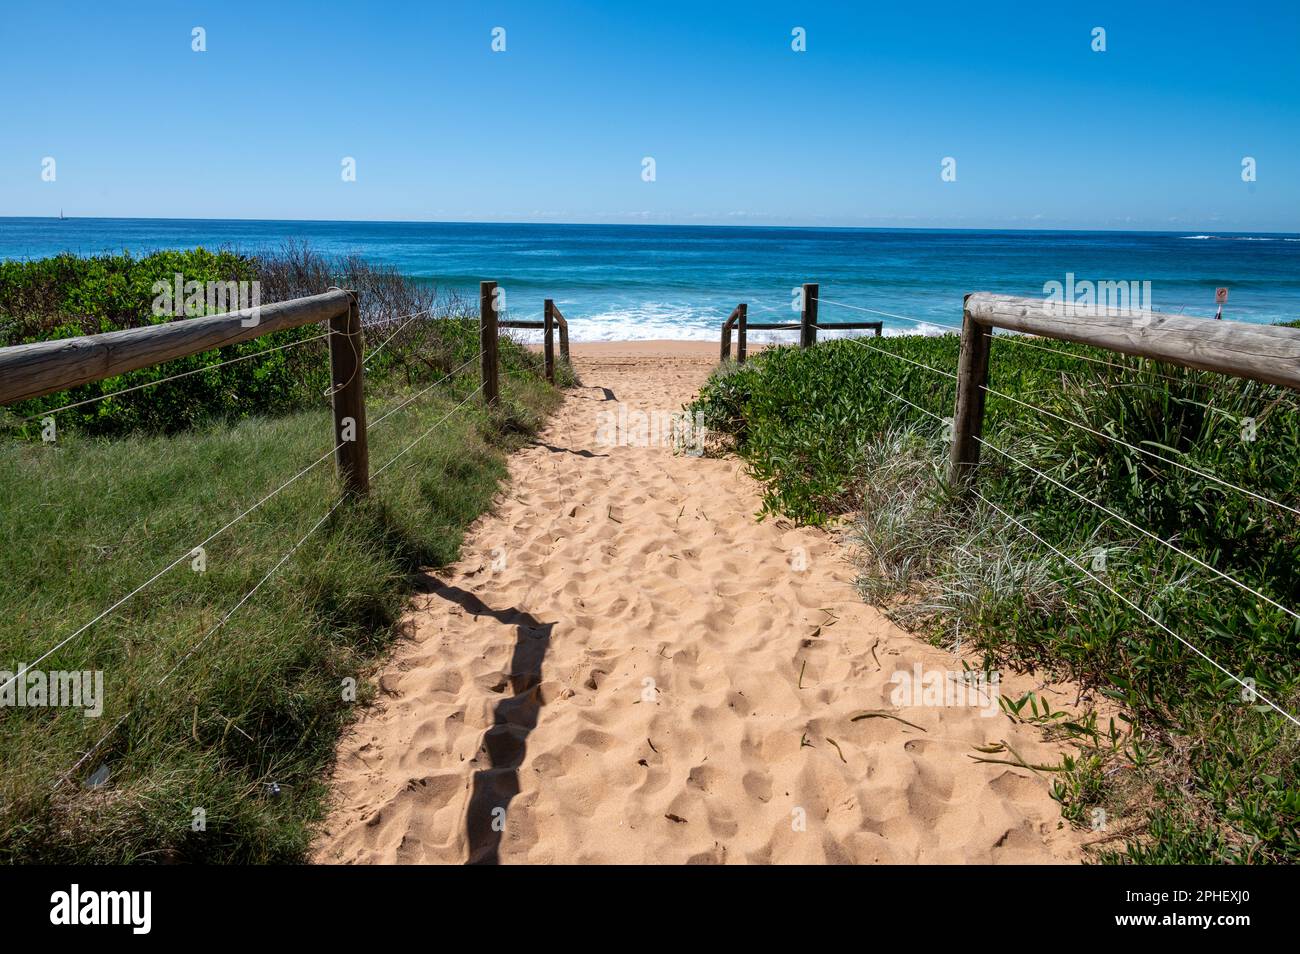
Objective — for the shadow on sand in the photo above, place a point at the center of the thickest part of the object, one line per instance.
(506, 742)
(567, 450)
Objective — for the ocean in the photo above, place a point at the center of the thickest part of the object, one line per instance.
(620, 282)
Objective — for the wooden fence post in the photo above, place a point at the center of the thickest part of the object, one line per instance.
(968, 416)
(808, 317)
(347, 394)
(742, 329)
(487, 310)
(548, 319)
(724, 352)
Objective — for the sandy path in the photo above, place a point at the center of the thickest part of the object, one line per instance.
(612, 674)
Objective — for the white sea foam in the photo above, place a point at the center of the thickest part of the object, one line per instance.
(668, 321)
(647, 321)
(1240, 238)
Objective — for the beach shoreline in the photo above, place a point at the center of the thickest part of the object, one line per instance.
(647, 348)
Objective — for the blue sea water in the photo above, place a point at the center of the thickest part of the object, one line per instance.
(617, 282)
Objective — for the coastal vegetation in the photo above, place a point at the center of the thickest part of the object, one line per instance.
(1059, 561)
(225, 686)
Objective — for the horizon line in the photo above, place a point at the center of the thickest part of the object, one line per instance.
(665, 225)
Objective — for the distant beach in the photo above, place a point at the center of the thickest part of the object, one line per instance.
(630, 282)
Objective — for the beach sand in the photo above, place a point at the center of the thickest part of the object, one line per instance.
(626, 667)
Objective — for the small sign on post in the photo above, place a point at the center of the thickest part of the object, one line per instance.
(1220, 299)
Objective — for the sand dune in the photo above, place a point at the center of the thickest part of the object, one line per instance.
(628, 667)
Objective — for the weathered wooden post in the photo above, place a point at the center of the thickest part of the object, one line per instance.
(347, 395)
(808, 317)
(548, 321)
(742, 341)
(968, 416)
(724, 352)
(563, 325)
(487, 310)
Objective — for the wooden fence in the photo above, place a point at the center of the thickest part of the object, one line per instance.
(1267, 353)
(47, 367)
(490, 326)
(807, 325)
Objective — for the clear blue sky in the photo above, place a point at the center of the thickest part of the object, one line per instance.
(1045, 132)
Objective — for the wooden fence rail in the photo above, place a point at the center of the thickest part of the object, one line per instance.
(562, 326)
(47, 367)
(1267, 353)
(490, 328)
(807, 326)
(727, 325)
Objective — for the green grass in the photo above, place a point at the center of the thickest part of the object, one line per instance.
(1189, 770)
(261, 702)
(234, 719)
